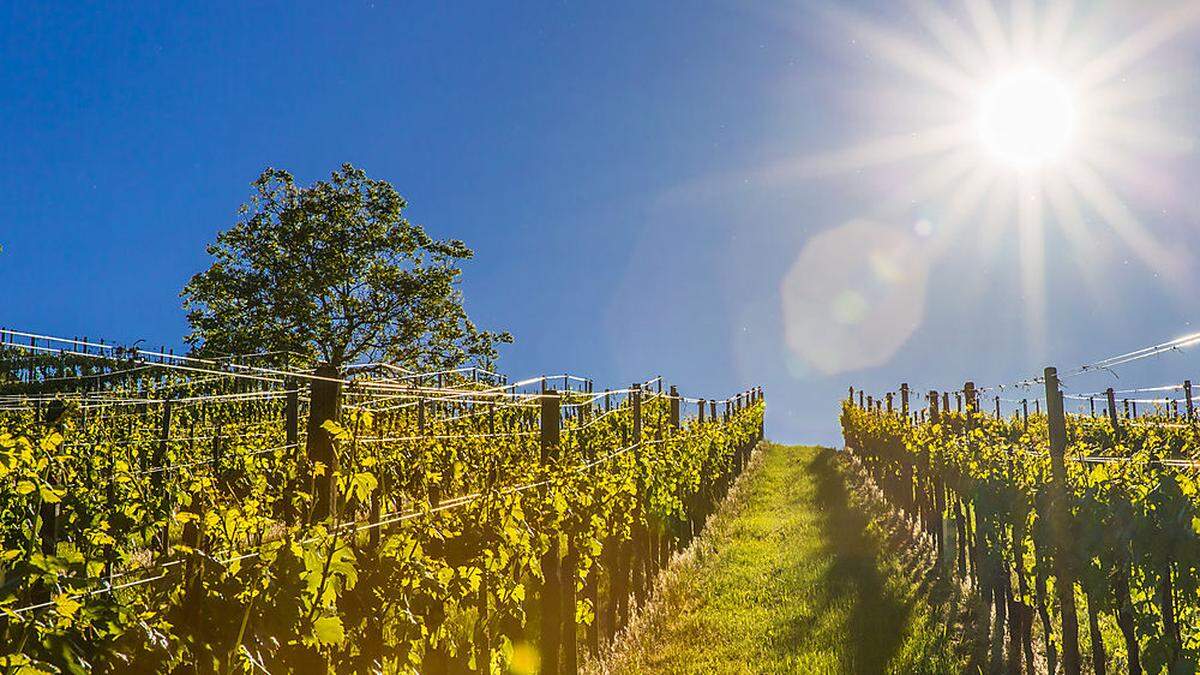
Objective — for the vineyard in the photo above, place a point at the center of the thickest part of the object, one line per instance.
(1055, 519)
(257, 513)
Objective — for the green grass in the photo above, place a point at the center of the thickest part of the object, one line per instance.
(789, 577)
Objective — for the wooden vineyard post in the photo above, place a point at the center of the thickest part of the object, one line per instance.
(217, 450)
(420, 416)
(939, 492)
(160, 458)
(1059, 520)
(1112, 408)
(291, 431)
(1187, 392)
(641, 538)
(109, 509)
(292, 418)
(762, 422)
(49, 511)
(164, 434)
(997, 406)
(570, 574)
(888, 396)
(193, 537)
(551, 597)
(674, 408)
(701, 411)
(621, 586)
(324, 406)
(674, 425)
(904, 399)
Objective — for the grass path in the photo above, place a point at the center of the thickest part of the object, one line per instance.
(788, 577)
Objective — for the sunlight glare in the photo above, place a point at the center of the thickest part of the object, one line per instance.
(1027, 118)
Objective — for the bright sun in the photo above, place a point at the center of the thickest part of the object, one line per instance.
(999, 121)
(1027, 118)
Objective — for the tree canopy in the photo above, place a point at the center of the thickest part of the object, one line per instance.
(335, 272)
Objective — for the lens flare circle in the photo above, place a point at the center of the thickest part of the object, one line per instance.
(854, 296)
(1027, 118)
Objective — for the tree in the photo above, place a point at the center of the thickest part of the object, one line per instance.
(335, 272)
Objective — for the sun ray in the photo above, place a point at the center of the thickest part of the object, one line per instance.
(1130, 169)
(1064, 206)
(1054, 27)
(1135, 132)
(924, 109)
(963, 204)
(1024, 29)
(1000, 215)
(942, 175)
(1031, 241)
(1119, 96)
(1034, 118)
(950, 35)
(1115, 60)
(993, 221)
(990, 30)
(907, 55)
(879, 152)
(1101, 199)
(1089, 28)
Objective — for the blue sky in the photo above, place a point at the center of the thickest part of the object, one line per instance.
(638, 181)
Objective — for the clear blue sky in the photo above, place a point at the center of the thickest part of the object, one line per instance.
(637, 180)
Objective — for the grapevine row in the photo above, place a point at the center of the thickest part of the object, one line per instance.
(158, 519)
(1050, 517)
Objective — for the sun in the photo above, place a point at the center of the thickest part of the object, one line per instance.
(1031, 136)
(1027, 118)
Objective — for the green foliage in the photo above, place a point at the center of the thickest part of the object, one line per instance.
(249, 583)
(334, 271)
(1133, 509)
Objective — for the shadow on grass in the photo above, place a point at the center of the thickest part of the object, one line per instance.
(875, 620)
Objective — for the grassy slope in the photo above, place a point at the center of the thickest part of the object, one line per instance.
(788, 578)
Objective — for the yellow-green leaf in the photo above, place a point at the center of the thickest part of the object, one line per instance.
(328, 630)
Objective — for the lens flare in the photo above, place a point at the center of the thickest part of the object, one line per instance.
(854, 296)
(1057, 118)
